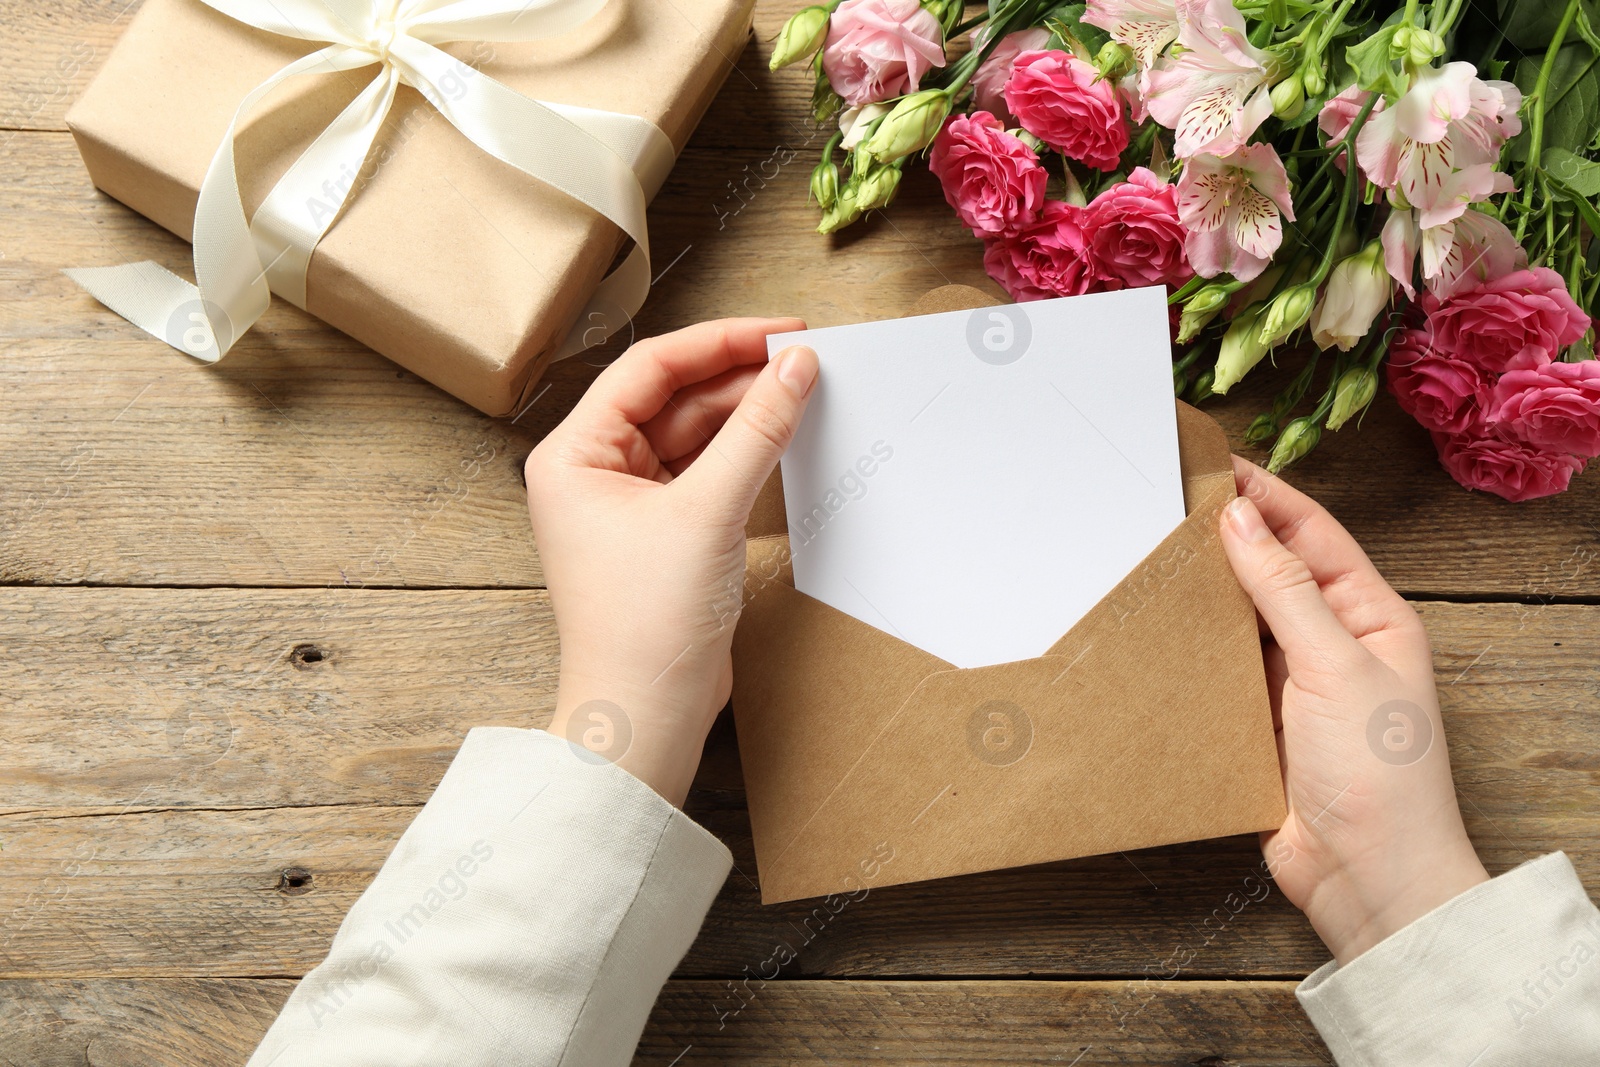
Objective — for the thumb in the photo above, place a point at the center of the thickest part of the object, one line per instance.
(739, 459)
(1285, 592)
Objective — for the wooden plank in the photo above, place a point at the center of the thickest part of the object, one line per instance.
(206, 1022)
(254, 698)
(153, 801)
(304, 459)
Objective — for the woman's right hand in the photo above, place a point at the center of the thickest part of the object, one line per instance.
(1373, 839)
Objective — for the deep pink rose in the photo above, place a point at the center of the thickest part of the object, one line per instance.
(877, 49)
(992, 179)
(1555, 407)
(1048, 258)
(1057, 98)
(1134, 232)
(1504, 467)
(1443, 394)
(1517, 322)
(989, 81)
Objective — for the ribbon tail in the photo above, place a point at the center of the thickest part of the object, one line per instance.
(157, 301)
(615, 302)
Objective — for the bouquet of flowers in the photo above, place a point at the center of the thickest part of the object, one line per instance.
(1410, 186)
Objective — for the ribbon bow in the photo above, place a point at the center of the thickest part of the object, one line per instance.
(603, 159)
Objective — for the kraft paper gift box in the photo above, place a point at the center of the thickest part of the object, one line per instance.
(446, 260)
(870, 762)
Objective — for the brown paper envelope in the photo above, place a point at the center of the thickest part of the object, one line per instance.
(868, 761)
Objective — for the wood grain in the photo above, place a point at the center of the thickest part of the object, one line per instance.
(209, 739)
(216, 1023)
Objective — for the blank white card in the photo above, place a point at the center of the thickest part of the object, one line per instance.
(973, 482)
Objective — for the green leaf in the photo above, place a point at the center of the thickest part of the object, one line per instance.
(1375, 70)
(1530, 24)
(1070, 16)
(1572, 99)
(1585, 206)
(1581, 175)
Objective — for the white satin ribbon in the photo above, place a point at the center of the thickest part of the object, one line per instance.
(611, 162)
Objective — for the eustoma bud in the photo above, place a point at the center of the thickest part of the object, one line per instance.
(1357, 290)
(1288, 312)
(1114, 60)
(825, 184)
(1289, 97)
(800, 37)
(1416, 45)
(1357, 386)
(1313, 79)
(910, 127)
(877, 188)
(843, 212)
(1297, 439)
(1241, 349)
(1199, 310)
(1261, 427)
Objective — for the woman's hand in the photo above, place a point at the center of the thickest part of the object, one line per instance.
(639, 500)
(1374, 838)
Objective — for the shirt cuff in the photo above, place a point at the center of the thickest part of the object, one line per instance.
(530, 913)
(1506, 973)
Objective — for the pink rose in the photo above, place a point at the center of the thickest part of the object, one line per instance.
(1443, 394)
(1555, 407)
(992, 179)
(989, 80)
(877, 49)
(1520, 321)
(1047, 258)
(1504, 467)
(1057, 98)
(1134, 233)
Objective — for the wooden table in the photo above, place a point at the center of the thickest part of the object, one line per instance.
(249, 612)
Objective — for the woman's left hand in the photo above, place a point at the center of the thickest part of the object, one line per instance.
(639, 501)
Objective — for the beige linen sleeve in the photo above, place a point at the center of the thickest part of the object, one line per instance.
(1508, 973)
(530, 914)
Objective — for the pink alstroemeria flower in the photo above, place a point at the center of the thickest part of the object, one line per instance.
(1215, 93)
(1145, 26)
(1231, 208)
(1472, 250)
(1438, 146)
(1467, 251)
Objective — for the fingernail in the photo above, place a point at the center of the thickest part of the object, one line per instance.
(797, 370)
(1246, 520)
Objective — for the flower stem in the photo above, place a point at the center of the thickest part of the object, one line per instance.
(1441, 24)
(1541, 89)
